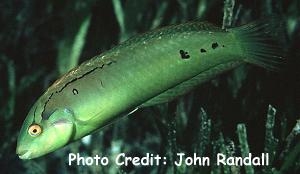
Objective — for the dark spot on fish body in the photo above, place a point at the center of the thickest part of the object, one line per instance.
(202, 50)
(109, 63)
(214, 45)
(75, 91)
(101, 83)
(184, 54)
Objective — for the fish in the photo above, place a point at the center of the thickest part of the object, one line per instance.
(146, 70)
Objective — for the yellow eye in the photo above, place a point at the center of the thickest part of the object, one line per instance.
(34, 130)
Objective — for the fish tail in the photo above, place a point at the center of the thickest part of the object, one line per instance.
(262, 42)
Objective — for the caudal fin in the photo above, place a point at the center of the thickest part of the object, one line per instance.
(262, 42)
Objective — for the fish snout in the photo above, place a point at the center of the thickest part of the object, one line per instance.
(23, 154)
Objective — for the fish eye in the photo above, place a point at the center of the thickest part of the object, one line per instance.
(34, 130)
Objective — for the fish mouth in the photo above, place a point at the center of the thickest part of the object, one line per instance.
(25, 154)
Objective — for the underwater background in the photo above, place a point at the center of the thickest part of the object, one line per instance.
(245, 109)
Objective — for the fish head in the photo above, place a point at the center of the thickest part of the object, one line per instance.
(40, 136)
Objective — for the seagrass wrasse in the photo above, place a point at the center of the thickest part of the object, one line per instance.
(148, 69)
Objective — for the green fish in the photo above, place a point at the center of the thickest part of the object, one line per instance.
(146, 70)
